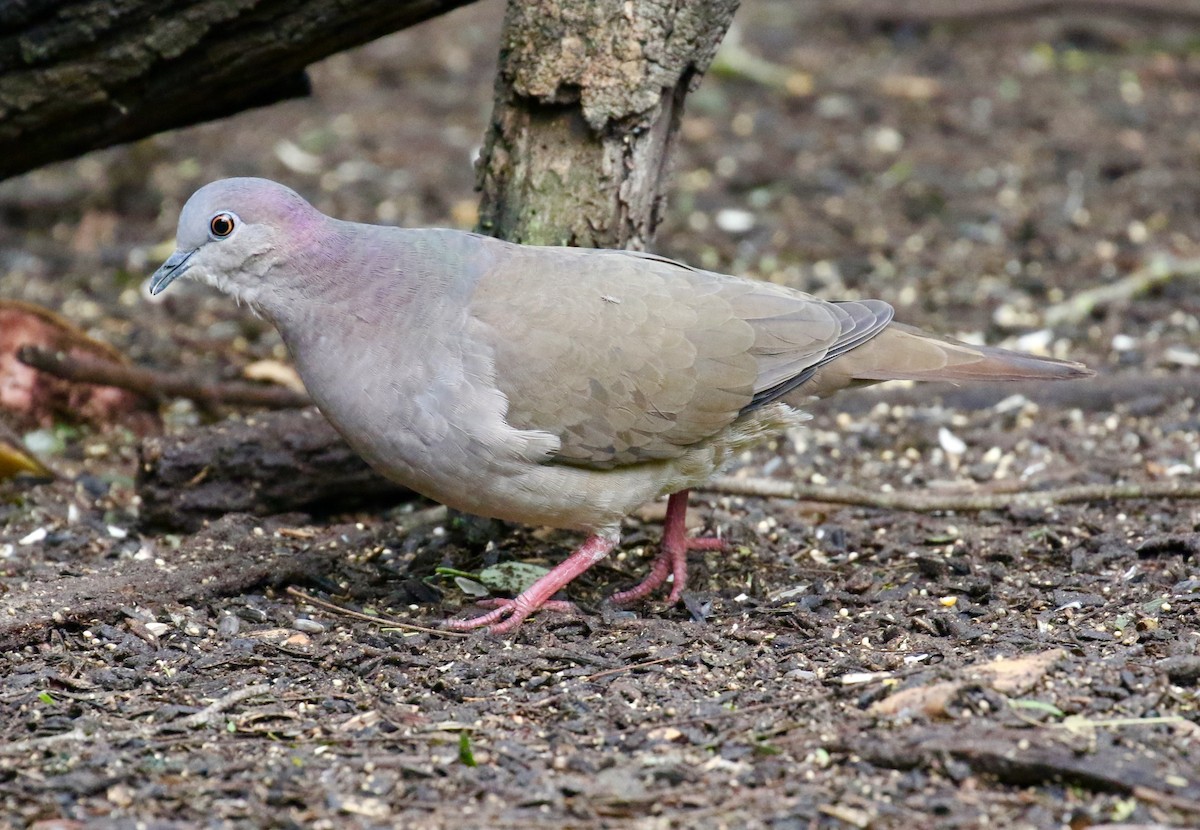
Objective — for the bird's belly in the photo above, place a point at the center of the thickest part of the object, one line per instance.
(471, 464)
(550, 495)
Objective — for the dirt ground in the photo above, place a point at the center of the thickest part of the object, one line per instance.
(842, 666)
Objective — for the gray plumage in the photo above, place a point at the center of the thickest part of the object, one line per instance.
(552, 386)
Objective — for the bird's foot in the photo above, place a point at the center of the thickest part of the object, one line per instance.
(671, 561)
(511, 608)
(508, 614)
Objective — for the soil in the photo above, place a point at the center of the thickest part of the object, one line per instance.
(837, 668)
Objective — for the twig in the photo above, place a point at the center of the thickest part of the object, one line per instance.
(1175, 802)
(963, 502)
(950, 11)
(158, 384)
(1158, 270)
(206, 715)
(390, 622)
(631, 667)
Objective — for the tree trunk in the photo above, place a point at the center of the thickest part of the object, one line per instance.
(77, 75)
(588, 100)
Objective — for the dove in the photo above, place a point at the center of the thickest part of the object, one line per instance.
(550, 386)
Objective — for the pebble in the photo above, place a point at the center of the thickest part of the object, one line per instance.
(951, 443)
(34, 537)
(251, 614)
(732, 220)
(887, 140)
(229, 625)
(307, 626)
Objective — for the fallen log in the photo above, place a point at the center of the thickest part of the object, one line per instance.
(275, 462)
(77, 75)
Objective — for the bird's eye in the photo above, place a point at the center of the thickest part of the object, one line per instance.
(221, 225)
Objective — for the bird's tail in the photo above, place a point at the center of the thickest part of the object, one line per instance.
(902, 352)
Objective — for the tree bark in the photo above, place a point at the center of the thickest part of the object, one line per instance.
(588, 100)
(274, 462)
(77, 75)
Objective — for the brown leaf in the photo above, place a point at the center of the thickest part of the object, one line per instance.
(1017, 675)
(932, 701)
(33, 399)
(1008, 675)
(274, 371)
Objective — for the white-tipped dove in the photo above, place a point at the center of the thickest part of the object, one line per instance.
(552, 386)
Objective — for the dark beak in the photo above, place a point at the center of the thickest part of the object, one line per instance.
(174, 267)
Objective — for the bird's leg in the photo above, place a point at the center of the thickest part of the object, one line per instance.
(537, 595)
(672, 558)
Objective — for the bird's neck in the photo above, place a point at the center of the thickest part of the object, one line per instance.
(368, 283)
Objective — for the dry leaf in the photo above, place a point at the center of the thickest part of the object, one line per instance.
(273, 371)
(932, 701)
(911, 87)
(1007, 675)
(1017, 675)
(14, 461)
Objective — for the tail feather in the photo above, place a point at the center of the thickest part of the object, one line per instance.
(902, 352)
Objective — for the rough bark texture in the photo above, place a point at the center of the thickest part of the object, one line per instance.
(275, 462)
(77, 75)
(588, 99)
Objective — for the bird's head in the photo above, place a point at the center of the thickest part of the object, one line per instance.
(233, 233)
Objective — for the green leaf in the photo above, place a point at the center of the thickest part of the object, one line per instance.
(1037, 706)
(512, 576)
(445, 571)
(465, 756)
(470, 587)
(47, 698)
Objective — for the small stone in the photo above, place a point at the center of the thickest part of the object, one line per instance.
(157, 628)
(732, 220)
(33, 538)
(887, 140)
(251, 614)
(951, 443)
(308, 626)
(229, 625)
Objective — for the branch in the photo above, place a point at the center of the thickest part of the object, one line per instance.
(77, 75)
(275, 462)
(1159, 270)
(159, 384)
(960, 502)
(1028, 758)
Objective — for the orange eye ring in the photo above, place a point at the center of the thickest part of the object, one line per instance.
(221, 225)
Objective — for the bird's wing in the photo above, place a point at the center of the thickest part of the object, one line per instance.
(629, 357)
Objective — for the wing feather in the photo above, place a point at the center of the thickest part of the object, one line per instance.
(628, 357)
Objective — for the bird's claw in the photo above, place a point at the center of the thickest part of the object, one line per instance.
(672, 559)
(514, 609)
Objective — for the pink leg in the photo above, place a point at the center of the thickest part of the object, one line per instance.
(672, 558)
(538, 594)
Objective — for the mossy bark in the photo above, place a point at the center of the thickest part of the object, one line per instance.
(589, 95)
